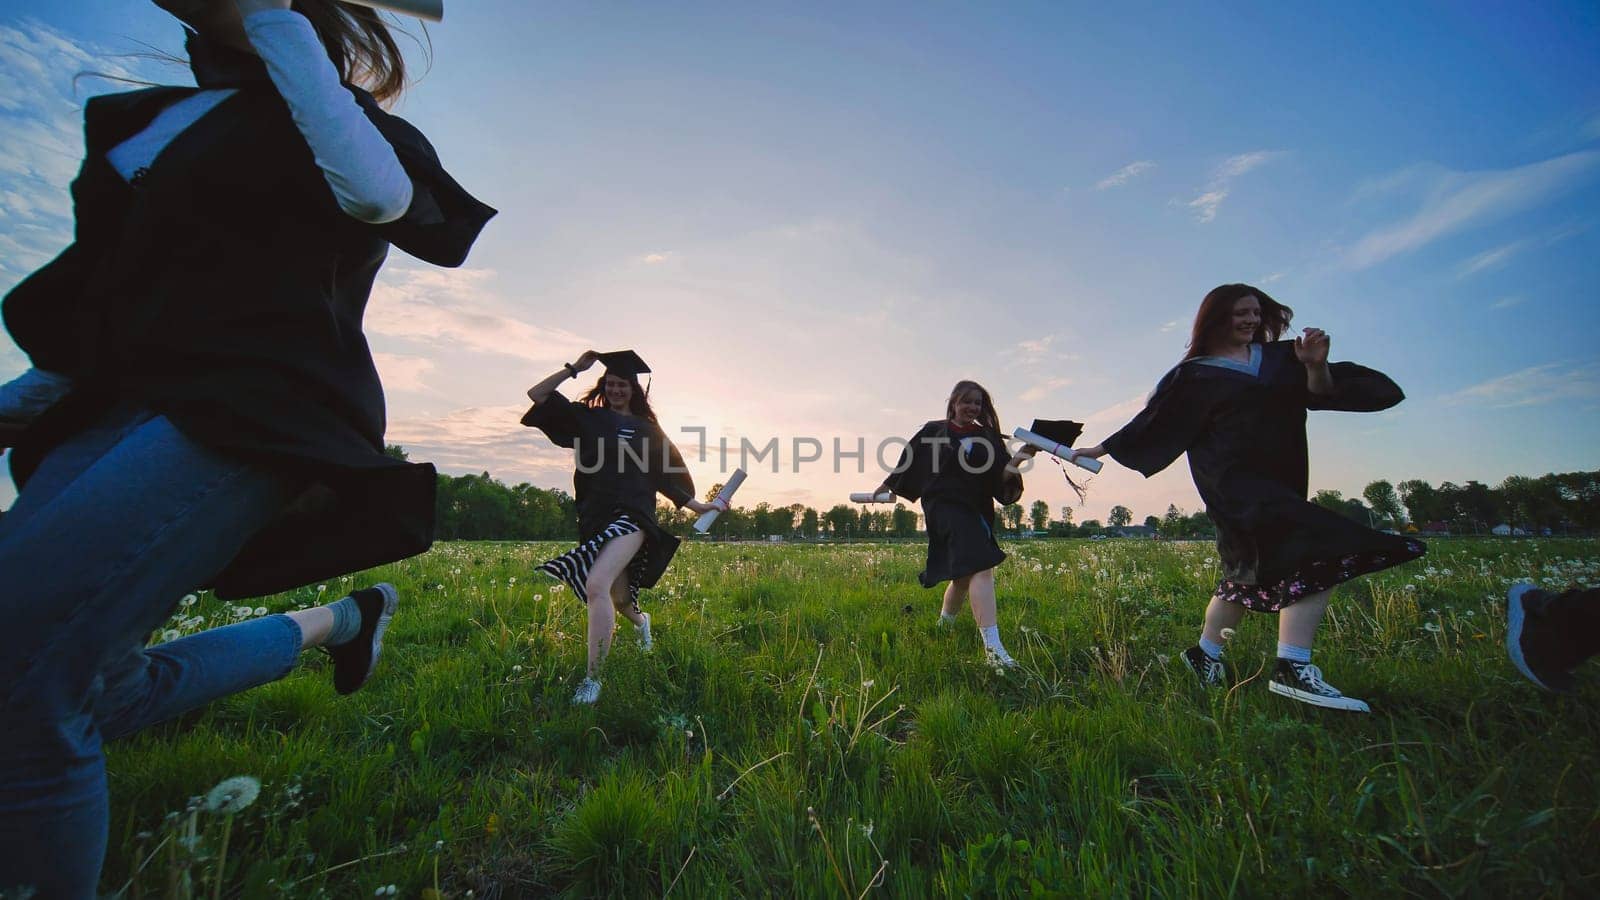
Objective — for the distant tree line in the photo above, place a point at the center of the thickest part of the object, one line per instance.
(476, 507)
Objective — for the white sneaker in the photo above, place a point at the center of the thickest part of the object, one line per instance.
(999, 658)
(588, 692)
(646, 643)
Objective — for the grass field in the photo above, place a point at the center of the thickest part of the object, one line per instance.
(804, 728)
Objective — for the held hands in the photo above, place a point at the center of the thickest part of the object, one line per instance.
(1311, 347)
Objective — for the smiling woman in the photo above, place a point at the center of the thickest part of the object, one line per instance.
(190, 443)
(623, 460)
(1237, 406)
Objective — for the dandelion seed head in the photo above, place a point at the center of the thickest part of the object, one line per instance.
(232, 795)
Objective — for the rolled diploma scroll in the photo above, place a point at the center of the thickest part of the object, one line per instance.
(1058, 450)
(703, 524)
(869, 497)
(432, 10)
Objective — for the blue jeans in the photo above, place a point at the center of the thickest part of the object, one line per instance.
(113, 528)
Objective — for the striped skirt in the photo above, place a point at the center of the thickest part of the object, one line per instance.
(573, 566)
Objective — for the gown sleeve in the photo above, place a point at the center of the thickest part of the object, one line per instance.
(1172, 420)
(557, 417)
(1357, 389)
(904, 481)
(675, 483)
(443, 220)
(1007, 489)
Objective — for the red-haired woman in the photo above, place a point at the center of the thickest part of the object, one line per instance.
(958, 467)
(216, 419)
(1237, 405)
(623, 460)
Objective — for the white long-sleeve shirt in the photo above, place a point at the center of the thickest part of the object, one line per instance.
(361, 168)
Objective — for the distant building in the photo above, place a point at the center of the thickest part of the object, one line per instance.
(1136, 531)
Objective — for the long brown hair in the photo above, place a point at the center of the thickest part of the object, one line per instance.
(988, 417)
(1216, 313)
(360, 45)
(638, 401)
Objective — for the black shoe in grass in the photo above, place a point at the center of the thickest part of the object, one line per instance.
(1533, 642)
(354, 660)
(1208, 669)
(1303, 682)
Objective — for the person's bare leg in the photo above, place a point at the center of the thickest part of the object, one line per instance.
(607, 569)
(980, 596)
(622, 602)
(1220, 614)
(1298, 622)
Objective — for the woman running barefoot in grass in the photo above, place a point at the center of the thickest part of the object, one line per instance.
(623, 459)
(958, 467)
(1237, 405)
(217, 419)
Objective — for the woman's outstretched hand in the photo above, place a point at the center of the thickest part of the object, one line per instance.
(1311, 347)
(1095, 452)
(719, 504)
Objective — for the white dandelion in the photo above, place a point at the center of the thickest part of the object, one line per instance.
(232, 795)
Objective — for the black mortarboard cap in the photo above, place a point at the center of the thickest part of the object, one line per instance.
(624, 363)
(1061, 431)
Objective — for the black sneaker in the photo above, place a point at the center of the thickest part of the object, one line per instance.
(354, 660)
(1303, 682)
(1202, 664)
(1531, 642)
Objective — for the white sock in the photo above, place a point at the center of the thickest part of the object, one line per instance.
(1293, 653)
(946, 618)
(991, 637)
(1212, 648)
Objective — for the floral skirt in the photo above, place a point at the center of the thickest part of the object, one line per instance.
(573, 566)
(1313, 578)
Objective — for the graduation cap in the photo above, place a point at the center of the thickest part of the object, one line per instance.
(1062, 431)
(625, 364)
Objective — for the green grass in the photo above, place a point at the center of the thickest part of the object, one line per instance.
(803, 728)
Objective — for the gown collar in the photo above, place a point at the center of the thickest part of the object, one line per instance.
(1252, 368)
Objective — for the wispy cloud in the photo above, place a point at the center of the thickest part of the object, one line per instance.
(1462, 200)
(1170, 326)
(656, 259)
(41, 138)
(1125, 174)
(403, 373)
(1490, 259)
(1044, 388)
(457, 309)
(1535, 386)
(1508, 302)
(1210, 200)
(479, 439)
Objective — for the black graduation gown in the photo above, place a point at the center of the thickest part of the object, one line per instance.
(622, 462)
(225, 290)
(957, 500)
(1246, 439)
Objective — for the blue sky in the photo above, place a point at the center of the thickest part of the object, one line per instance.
(813, 220)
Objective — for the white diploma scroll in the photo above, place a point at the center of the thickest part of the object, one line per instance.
(1061, 451)
(869, 497)
(703, 524)
(432, 10)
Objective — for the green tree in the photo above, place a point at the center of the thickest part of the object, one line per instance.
(1011, 516)
(905, 521)
(810, 522)
(1383, 499)
(1040, 514)
(1120, 517)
